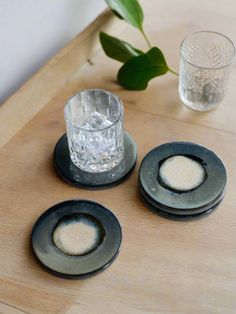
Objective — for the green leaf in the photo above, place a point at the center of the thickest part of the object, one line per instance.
(138, 71)
(118, 49)
(129, 10)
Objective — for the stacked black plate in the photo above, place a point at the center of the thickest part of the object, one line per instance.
(181, 205)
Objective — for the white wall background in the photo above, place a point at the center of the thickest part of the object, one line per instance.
(31, 31)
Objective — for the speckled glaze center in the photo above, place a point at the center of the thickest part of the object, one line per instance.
(181, 173)
(76, 237)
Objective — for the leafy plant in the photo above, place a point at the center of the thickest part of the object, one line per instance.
(139, 67)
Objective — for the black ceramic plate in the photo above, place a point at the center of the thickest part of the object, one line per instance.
(180, 211)
(82, 179)
(167, 215)
(205, 195)
(76, 266)
(178, 214)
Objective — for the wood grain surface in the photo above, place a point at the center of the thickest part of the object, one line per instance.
(164, 266)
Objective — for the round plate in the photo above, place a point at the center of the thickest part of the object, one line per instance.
(172, 216)
(175, 211)
(76, 266)
(178, 214)
(204, 195)
(82, 179)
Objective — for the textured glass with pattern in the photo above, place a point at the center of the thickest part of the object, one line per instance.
(205, 62)
(94, 121)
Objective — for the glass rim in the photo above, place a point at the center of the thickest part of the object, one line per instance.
(204, 67)
(94, 89)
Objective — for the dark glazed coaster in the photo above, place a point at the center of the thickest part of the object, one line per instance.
(177, 214)
(180, 212)
(204, 196)
(82, 179)
(76, 266)
(167, 215)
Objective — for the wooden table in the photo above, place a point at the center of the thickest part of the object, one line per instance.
(164, 266)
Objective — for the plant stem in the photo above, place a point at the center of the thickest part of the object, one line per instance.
(173, 72)
(146, 38)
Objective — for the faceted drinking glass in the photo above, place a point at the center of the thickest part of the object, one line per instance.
(94, 122)
(205, 62)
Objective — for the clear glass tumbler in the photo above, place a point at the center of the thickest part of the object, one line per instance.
(205, 61)
(94, 122)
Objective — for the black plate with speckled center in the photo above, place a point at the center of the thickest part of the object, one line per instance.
(83, 179)
(182, 205)
(76, 266)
